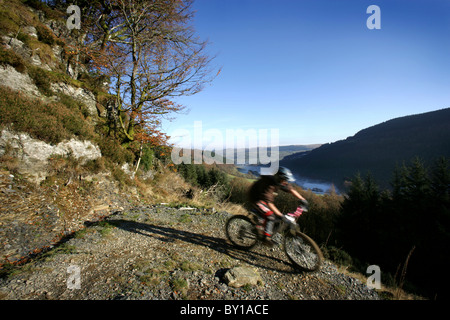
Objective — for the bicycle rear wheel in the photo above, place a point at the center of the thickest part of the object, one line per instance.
(303, 252)
(241, 231)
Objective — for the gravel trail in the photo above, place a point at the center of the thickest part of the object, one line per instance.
(163, 253)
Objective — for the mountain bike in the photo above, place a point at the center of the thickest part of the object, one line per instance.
(302, 251)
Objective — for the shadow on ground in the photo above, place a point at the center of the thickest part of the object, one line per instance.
(255, 257)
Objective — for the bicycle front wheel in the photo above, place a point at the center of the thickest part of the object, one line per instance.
(241, 232)
(303, 252)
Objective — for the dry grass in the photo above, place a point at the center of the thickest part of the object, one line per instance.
(166, 186)
(169, 187)
(49, 122)
(231, 208)
(390, 293)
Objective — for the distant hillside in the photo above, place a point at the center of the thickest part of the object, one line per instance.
(248, 155)
(283, 151)
(296, 149)
(377, 149)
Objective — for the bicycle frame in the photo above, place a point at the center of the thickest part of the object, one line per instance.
(279, 224)
(302, 251)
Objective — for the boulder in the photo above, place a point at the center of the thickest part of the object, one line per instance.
(240, 276)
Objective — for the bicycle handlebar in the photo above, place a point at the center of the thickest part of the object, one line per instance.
(298, 212)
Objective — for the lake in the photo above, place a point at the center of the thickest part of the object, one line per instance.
(318, 187)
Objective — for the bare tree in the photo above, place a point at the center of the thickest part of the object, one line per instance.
(149, 50)
(153, 56)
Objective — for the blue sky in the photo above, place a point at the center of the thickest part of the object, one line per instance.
(313, 70)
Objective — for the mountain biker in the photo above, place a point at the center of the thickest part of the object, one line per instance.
(262, 195)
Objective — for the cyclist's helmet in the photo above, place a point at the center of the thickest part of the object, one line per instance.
(285, 174)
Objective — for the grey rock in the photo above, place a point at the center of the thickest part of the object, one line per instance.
(80, 94)
(241, 276)
(34, 154)
(18, 81)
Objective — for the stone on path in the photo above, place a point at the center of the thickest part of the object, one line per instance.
(241, 276)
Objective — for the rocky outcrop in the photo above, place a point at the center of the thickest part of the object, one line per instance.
(34, 154)
(84, 96)
(15, 80)
(27, 48)
(47, 56)
(25, 52)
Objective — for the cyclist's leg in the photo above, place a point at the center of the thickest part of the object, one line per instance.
(260, 220)
(268, 218)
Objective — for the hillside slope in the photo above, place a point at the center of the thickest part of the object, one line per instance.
(377, 149)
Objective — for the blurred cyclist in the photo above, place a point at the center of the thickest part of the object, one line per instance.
(262, 195)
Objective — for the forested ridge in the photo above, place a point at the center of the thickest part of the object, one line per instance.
(378, 149)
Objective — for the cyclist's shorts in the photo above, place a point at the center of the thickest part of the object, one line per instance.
(263, 208)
